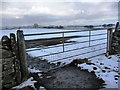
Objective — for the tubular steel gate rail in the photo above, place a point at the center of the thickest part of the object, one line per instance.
(106, 32)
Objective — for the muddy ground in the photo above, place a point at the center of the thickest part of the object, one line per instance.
(70, 77)
(67, 76)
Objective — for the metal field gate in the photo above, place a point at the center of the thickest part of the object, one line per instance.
(69, 45)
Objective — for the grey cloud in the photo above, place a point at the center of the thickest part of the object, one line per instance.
(30, 19)
(42, 19)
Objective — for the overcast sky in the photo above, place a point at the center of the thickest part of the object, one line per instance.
(58, 13)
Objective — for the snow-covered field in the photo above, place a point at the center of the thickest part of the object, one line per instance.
(29, 31)
(107, 68)
(73, 49)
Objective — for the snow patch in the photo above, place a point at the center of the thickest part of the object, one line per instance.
(106, 69)
(29, 82)
(33, 70)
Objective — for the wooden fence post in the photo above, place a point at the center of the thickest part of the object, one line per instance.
(22, 55)
(16, 59)
(117, 26)
(6, 43)
(109, 40)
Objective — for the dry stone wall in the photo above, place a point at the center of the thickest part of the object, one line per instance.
(10, 67)
(116, 42)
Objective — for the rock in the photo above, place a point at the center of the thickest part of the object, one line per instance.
(94, 68)
(42, 88)
(116, 78)
(101, 64)
(106, 68)
(5, 53)
(58, 63)
(103, 71)
(116, 75)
